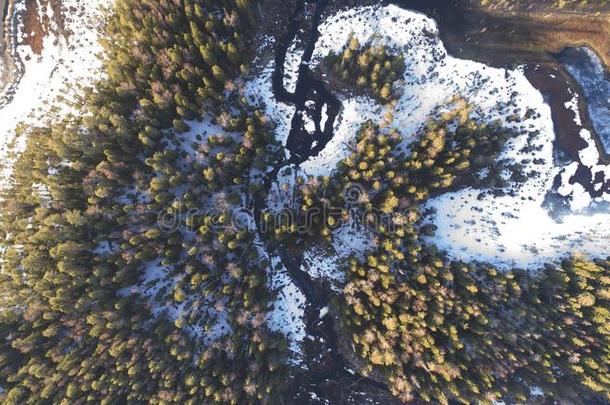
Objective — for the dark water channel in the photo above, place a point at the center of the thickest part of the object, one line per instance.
(311, 95)
(314, 102)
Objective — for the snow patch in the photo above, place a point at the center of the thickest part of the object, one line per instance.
(287, 315)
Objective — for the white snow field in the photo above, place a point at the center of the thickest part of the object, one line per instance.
(65, 63)
(513, 230)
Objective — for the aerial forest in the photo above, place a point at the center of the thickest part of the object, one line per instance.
(104, 301)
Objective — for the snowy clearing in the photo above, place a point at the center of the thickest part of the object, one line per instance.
(287, 314)
(513, 230)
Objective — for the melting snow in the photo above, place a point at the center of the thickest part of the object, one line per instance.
(580, 199)
(573, 105)
(512, 230)
(289, 308)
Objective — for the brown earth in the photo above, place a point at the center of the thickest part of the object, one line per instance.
(37, 24)
(34, 22)
(525, 32)
(591, 5)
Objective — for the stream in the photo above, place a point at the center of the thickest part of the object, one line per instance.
(313, 102)
(310, 96)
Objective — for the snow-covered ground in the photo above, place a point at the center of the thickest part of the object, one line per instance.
(287, 314)
(65, 63)
(328, 264)
(511, 230)
(260, 89)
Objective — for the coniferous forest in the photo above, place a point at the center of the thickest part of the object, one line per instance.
(103, 301)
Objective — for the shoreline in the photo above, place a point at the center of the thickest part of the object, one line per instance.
(558, 86)
(508, 39)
